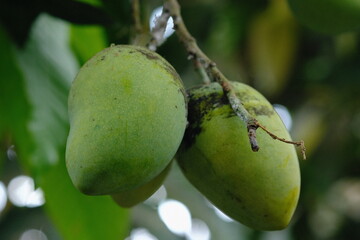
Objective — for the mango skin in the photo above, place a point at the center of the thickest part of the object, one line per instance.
(328, 16)
(130, 198)
(258, 189)
(127, 112)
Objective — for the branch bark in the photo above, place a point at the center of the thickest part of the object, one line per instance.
(197, 55)
(172, 8)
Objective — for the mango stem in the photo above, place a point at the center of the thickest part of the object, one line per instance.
(140, 34)
(173, 9)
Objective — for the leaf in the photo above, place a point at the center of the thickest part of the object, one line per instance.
(48, 67)
(14, 105)
(272, 47)
(81, 217)
(80, 44)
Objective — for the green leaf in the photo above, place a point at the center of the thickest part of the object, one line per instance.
(48, 66)
(81, 217)
(14, 105)
(86, 41)
(272, 47)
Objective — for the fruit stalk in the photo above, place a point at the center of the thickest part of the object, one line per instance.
(135, 12)
(200, 58)
(173, 9)
(140, 33)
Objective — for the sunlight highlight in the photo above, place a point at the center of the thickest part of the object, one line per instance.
(284, 115)
(176, 216)
(222, 215)
(22, 193)
(170, 24)
(33, 234)
(199, 231)
(3, 196)
(141, 234)
(218, 212)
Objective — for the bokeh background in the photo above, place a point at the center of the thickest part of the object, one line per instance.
(313, 80)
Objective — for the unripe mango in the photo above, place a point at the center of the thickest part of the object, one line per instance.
(127, 111)
(130, 198)
(259, 189)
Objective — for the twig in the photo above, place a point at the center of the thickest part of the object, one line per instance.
(202, 71)
(136, 16)
(195, 53)
(300, 144)
(140, 32)
(172, 8)
(137, 26)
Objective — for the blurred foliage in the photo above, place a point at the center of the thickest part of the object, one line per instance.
(316, 76)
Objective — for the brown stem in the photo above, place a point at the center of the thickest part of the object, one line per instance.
(202, 72)
(140, 33)
(199, 57)
(136, 16)
(300, 144)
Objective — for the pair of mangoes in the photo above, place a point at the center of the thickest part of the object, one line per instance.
(128, 115)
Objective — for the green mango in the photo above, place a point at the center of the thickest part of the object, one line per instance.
(130, 198)
(328, 16)
(259, 189)
(127, 111)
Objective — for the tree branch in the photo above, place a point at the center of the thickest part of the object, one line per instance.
(135, 12)
(140, 32)
(195, 53)
(172, 7)
(300, 144)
